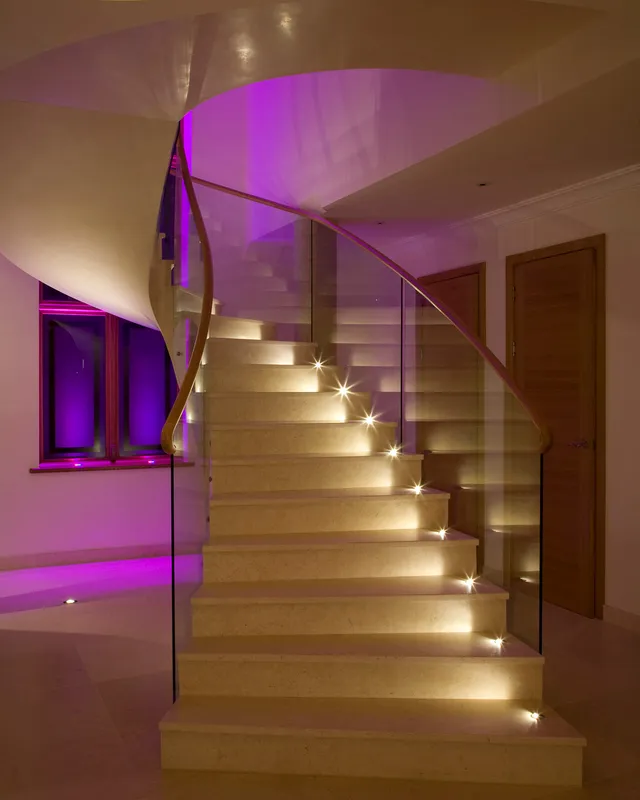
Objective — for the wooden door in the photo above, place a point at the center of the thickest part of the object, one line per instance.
(462, 291)
(554, 357)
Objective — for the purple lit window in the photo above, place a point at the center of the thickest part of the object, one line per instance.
(74, 422)
(146, 389)
(107, 385)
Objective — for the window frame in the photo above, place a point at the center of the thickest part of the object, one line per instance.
(113, 459)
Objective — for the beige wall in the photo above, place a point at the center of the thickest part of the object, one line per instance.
(610, 205)
(61, 517)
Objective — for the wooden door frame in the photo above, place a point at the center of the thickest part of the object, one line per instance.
(460, 272)
(598, 245)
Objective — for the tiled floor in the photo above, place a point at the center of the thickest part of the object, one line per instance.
(82, 688)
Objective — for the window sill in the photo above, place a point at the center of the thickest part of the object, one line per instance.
(150, 462)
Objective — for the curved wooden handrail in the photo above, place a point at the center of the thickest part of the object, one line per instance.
(180, 403)
(481, 349)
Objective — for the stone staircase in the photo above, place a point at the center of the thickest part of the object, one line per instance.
(337, 631)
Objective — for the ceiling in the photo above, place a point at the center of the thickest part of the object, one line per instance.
(589, 131)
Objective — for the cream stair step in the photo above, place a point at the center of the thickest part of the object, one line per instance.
(472, 436)
(231, 352)
(481, 741)
(283, 438)
(497, 505)
(314, 471)
(460, 355)
(435, 666)
(270, 378)
(427, 604)
(388, 316)
(350, 554)
(277, 314)
(326, 406)
(228, 327)
(417, 380)
(328, 510)
(478, 468)
(241, 282)
(275, 298)
(390, 334)
(475, 405)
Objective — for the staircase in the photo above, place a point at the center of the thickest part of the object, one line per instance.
(341, 628)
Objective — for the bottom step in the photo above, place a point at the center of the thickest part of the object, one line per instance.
(483, 741)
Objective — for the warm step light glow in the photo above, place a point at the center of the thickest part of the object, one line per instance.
(344, 390)
(536, 716)
(369, 420)
(417, 489)
(69, 601)
(469, 582)
(393, 451)
(317, 364)
(442, 533)
(498, 642)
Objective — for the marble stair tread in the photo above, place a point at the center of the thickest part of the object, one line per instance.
(443, 587)
(339, 538)
(305, 458)
(267, 342)
(489, 721)
(305, 495)
(362, 646)
(278, 424)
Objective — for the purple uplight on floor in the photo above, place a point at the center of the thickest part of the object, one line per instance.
(42, 587)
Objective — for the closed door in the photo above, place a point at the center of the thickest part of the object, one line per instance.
(462, 291)
(554, 354)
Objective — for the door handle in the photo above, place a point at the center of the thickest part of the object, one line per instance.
(581, 444)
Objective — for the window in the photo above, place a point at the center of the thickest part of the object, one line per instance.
(107, 386)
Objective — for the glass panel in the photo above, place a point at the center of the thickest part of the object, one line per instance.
(481, 446)
(190, 463)
(260, 265)
(147, 389)
(73, 386)
(360, 329)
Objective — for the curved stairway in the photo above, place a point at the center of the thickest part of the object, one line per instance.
(336, 631)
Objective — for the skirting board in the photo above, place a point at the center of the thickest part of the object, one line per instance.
(621, 618)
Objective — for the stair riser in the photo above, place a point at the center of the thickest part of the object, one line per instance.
(348, 561)
(499, 511)
(302, 753)
(231, 328)
(378, 355)
(240, 282)
(319, 473)
(346, 615)
(387, 379)
(234, 296)
(448, 469)
(280, 315)
(391, 335)
(336, 514)
(474, 437)
(301, 439)
(429, 679)
(221, 353)
(255, 378)
(387, 316)
(276, 407)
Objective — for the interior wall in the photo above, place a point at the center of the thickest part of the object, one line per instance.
(610, 205)
(58, 518)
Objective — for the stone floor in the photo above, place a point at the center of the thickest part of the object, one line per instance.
(83, 686)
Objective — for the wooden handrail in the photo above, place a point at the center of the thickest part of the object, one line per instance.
(180, 403)
(484, 352)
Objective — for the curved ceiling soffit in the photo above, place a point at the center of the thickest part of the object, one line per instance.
(85, 156)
